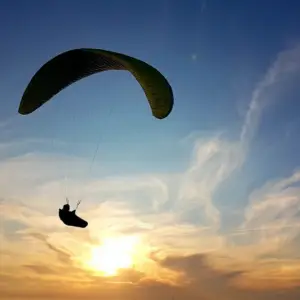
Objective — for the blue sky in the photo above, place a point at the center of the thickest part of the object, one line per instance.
(226, 160)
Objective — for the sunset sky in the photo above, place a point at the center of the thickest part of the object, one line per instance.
(202, 205)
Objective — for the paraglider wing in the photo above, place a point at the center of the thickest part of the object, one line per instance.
(73, 65)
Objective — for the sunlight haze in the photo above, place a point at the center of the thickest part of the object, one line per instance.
(112, 255)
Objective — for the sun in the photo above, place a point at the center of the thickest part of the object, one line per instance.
(114, 254)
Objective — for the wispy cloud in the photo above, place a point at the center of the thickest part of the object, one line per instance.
(286, 63)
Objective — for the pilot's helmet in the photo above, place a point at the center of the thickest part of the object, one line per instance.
(66, 207)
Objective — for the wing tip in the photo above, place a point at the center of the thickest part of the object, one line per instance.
(160, 116)
(21, 111)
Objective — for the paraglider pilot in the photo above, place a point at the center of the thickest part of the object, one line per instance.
(70, 218)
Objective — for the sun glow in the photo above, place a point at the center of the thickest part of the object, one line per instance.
(114, 254)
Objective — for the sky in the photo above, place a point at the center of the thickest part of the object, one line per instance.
(204, 204)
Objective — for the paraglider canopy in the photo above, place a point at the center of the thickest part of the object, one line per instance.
(71, 66)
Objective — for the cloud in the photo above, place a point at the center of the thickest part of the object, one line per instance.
(286, 64)
(40, 269)
(210, 282)
(269, 231)
(213, 162)
(63, 256)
